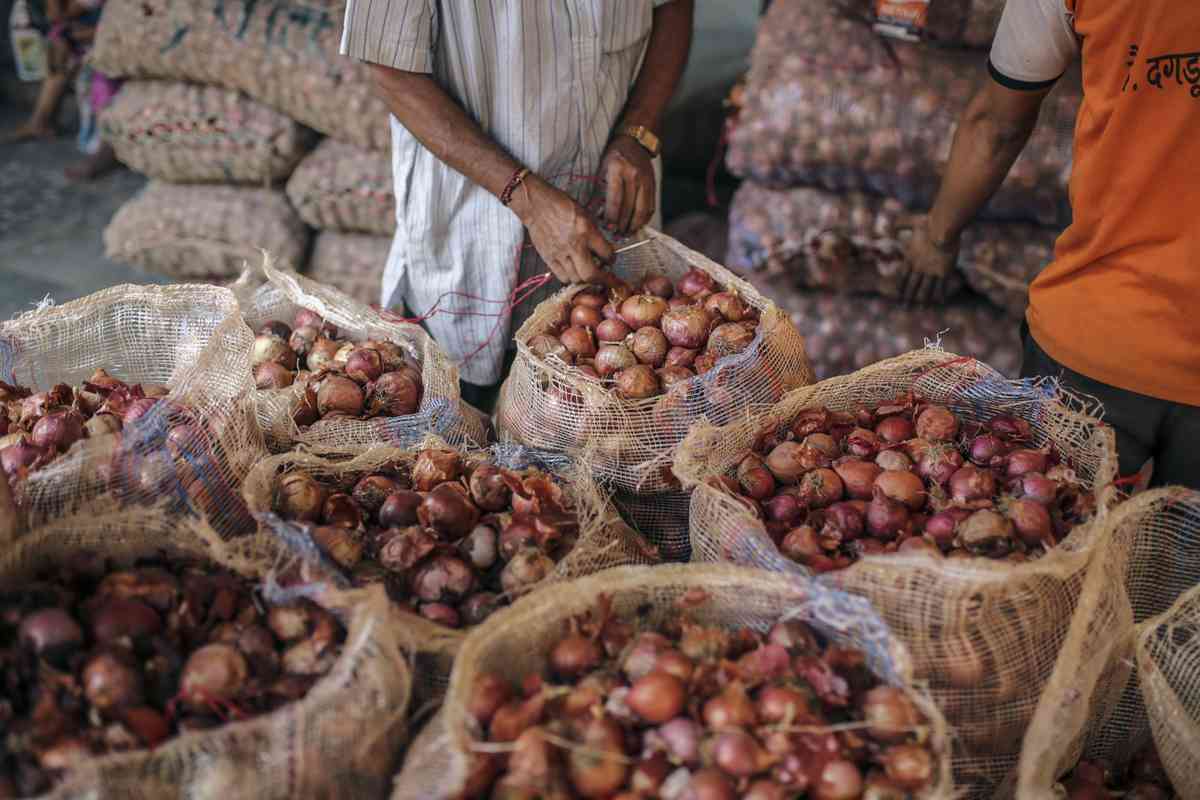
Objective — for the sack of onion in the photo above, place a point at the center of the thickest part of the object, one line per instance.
(1126, 669)
(681, 681)
(622, 372)
(169, 428)
(830, 103)
(136, 667)
(1145, 779)
(964, 506)
(452, 535)
(350, 262)
(332, 374)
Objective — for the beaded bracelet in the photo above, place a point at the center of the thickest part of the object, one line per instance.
(513, 182)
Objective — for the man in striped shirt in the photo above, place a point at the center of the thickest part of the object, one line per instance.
(480, 92)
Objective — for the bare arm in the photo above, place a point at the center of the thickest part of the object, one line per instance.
(626, 167)
(562, 232)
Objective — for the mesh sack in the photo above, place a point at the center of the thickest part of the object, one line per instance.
(352, 263)
(340, 187)
(844, 333)
(985, 634)
(553, 407)
(283, 54)
(830, 103)
(184, 133)
(341, 739)
(1097, 704)
(204, 232)
(269, 293)
(662, 518)
(186, 456)
(516, 640)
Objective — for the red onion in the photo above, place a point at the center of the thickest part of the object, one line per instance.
(118, 618)
(612, 331)
(729, 338)
(909, 766)
(942, 526)
(399, 509)
(592, 774)
(440, 613)
(527, 567)
(586, 316)
(800, 544)
(588, 369)
(862, 443)
(643, 310)
(478, 607)
(695, 282)
(1022, 461)
(738, 753)
(894, 430)
(937, 424)
(372, 490)
(659, 286)
(1031, 521)
(890, 715)
(1009, 427)
(845, 520)
(274, 349)
(214, 672)
(650, 346)
(593, 297)
(574, 656)
(444, 578)
(670, 376)
(764, 789)
(779, 703)
(433, 467)
(705, 362)
(727, 305)
(939, 462)
(637, 382)
(984, 531)
(515, 536)
(687, 327)
(395, 394)
(648, 776)
(787, 462)
(610, 311)
(732, 708)
(578, 341)
(269, 375)
(784, 507)
(885, 517)
(838, 780)
(448, 511)
(304, 406)
(643, 654)
(681, 740)
(970, 483)
(893, 459)
(137, 409)
(821, 487)
(681, 357)
(657, 698)
(903, 487)
(613, 358)
(754, 478)
(339, 395)
(49, 631)
(364, 365)
(341, 511)
(302, 340)
(858, 477)
(543, 345)
(57, 431)
(488, 693)
(1039, 488)
(110, 682)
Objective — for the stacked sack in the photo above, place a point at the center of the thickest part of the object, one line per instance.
(843, 132)
(223, 102)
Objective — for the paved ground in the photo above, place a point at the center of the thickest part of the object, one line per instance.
(51, 229)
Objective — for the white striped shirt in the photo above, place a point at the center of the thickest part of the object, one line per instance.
(547, 80)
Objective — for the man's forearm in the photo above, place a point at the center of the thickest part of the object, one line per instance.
(666, 56)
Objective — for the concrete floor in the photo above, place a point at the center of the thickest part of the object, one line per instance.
(51, 229)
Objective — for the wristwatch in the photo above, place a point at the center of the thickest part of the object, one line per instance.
(643, 136)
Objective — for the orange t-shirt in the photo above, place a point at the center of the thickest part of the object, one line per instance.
(1121, 301)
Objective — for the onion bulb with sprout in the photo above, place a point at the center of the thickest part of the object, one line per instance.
(643, 310)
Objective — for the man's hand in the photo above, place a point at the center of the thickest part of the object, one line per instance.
(561, 231)
(630, 195)
(930, 261)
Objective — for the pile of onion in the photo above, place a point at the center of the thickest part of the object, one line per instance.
(335, 378)
(907, 476)
(691, 712)
(642, 343)
(450, 539)
(1144, 779)
(97, 662)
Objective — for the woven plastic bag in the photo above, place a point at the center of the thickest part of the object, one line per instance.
(553, 407)
(856, 243)
(204, 232)
(843, 333)
(984, 634)
(282, 53)
(1126, 668)
(271, 292)
(352, 263)
(189, 338)
(342, 739)
(184, 133)
(831, 103)
(516, 641)
(340, 187)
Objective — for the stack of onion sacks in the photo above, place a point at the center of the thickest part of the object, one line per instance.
(451, 535)
(983, 631)
(677, 681)
(137, 666)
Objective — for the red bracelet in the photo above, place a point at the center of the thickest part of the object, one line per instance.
(513, 182)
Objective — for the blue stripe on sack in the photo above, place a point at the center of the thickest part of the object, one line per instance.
(297, 538)
(8, 360)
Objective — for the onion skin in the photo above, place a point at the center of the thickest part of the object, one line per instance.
(970, 483)
(578, 341)
(820, 488)
(681, 357)
(435, 466)
(372, 490)
(339, 395)
(298, 496)
(657, 698)
(612, 331)
(894, 430)
(543, 345)
(695, 282)
(643, 310)
(727, 305)
(903, 487)
(637, 382)
(908, 766)
(670, 376)
(650, 346)
(729, 338)
(984, 531)
(687, 327)
(858, 477)
(659, 286)
(937, 424)
(612, 358)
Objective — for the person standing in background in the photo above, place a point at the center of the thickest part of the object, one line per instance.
(1115, 315)
(501, 111)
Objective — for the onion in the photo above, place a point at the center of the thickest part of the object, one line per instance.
(970, 483)
(705, 362)
(612, 331)
(727, 305)
(593, 297)
(585, 316)
(787, 462)
(800, 544)
(695, 281)
(448, 511)
(399, 509)
(364, 365)
(937, 424)
(1038, 487)
(845, 521)
(687, 327)
(269, 375)
(657, 698)
(578, 341)
(732, 708)
(574, 656)
(339, 395)
(939, 462)
(1020, 462)
(395, 394)
(21, 455)
(764, 789)
(984, 531)
(908, 765)
(610, 311)
(986, 449)
(119, 618)
(302, 340)
(515, 536)
(322, 355)
(1031, 521)
(480, 547)
(307, 317)
(680, 739)
(613, 358)
(821, 487)
(890, 715)
(274, 349)
(754, 478)
(588, 369)
(444, 578)
(338, 543)
(659, 286)
(642, 655)
(708, 784)
(543, 345)
(681, 357)
(1009, 427)
(643, 310)
(862, 443)
(738, 753)
(57, 431)
(215, 672)
(670, 376)
(440, 613)
(893, 459)
(341, 511)
(729, 338)
(50, 631)
(137, 409)
(489, 490)
(650, 346)
(894, 429)
(592, 774)
(101, 425)
(858, 477)
(637, 382)
(839, 780)
(784, 507)
(478, 607)
(298, 496)
(885, 517)
(372, 490)
(943, 526)
(780, 703)
(528, 567)
(433, 467)
(903, 487)
(304, 406)
(488, 693)
(110, 682)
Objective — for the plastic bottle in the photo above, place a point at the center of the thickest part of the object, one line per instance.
(29, 47)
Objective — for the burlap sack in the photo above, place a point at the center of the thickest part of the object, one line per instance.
(843, 333)
(1126, 668)
(283, 53)
(552, 407)
(831, 103)
(271, 292)
(184, 133)
(985, 634)
(204, 232)
(516, 641)
(857, 243)
(340, 187)
(341, 740)
(352, 263)
(190, 338)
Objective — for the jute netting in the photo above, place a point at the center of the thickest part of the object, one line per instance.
(342, 739)
(269, 293)
(831, 103)
(662, 518)
(984, 634)
(352, 262)
(1128, 667)
(184, 133)
(282, 53)
(517, 640)
(204, 232)
(341, 187)
(188, 454)
(548, 405)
